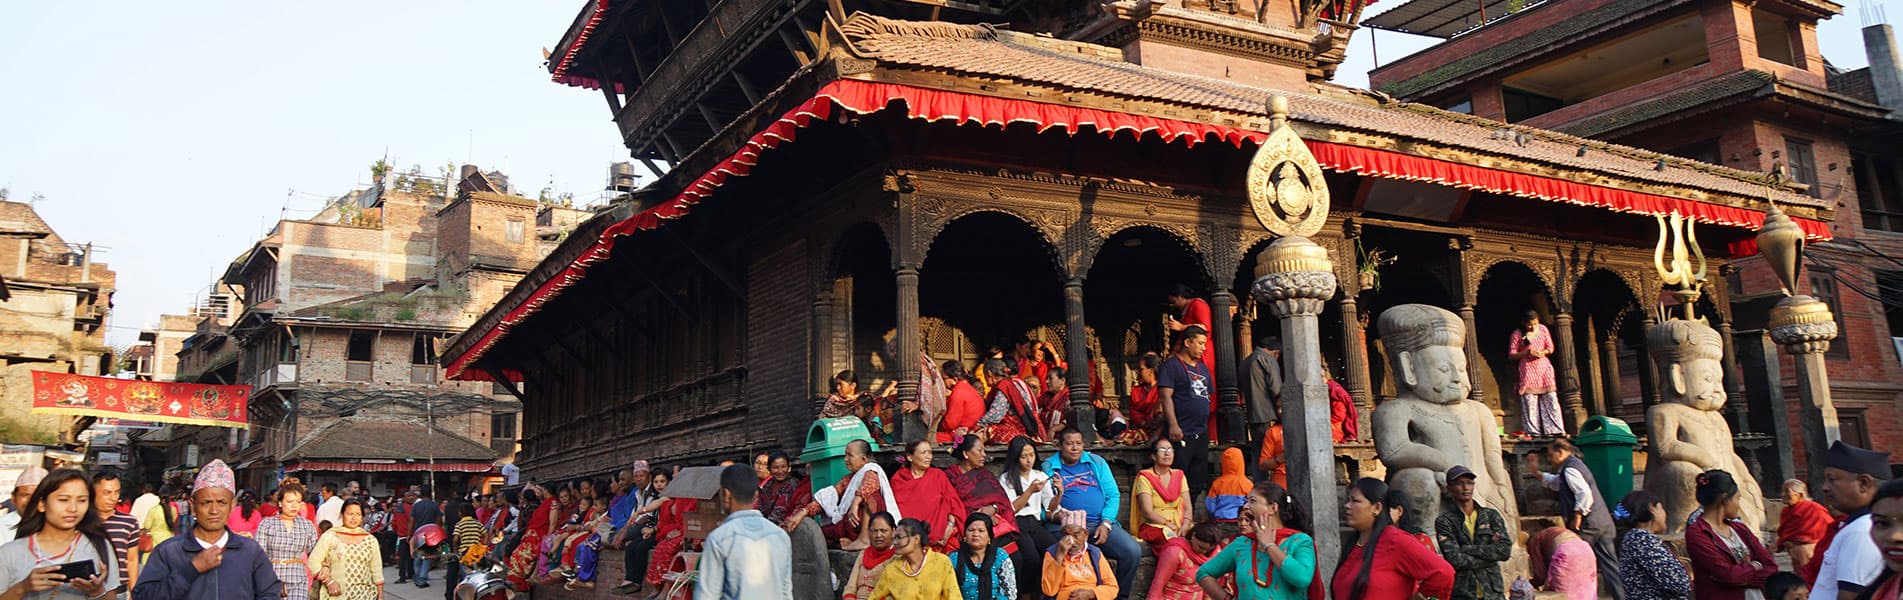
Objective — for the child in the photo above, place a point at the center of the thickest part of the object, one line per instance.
(1074, 565)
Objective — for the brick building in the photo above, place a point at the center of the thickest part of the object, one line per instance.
(52, 319)
(340, 326)
(156, 356)
(1727, 83)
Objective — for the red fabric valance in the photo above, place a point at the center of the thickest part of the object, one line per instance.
(930, 105)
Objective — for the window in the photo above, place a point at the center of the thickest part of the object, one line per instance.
(1803, 164)
(1823, 286)
(1879, 191)
(423, 350)
(1465, 107)
(1850, 427)
(1522, 105)
(502, 426)
(362, 346)
(1705, 151)
(287, 348)
(1774, 35)
(514, 231)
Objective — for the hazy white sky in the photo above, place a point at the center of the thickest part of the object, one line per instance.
(172, 134)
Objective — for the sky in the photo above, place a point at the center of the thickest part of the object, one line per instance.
(172, 135)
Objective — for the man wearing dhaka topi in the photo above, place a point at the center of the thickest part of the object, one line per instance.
(211, 563)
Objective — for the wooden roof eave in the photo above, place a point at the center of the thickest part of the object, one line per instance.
(578, 242)
(1008, 89)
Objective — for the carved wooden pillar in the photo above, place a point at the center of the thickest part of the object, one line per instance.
(1591, 386)
(823, 340)
(1354, 350)
(1568, 369)
(1736, 410)
(911, 425)
(1648, 369)
(1609, 373)
(1076, 354)
(1469, 290)
(1228, 396)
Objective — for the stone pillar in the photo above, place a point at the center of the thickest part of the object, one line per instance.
(1648, 369)
(1293, 280)
(1804, 327)
(1354, 350)
(823, 342)
(1076, 354)
(1735, 410)
(1568, 366)
(1591, 385)
(911, 425)
(1228, 397)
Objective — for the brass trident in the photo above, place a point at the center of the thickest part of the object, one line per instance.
(1680, 231)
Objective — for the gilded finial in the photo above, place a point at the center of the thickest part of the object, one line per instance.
(1286, 189)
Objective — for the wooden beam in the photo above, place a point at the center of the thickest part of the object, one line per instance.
(746, 89)
(649, 163)
(608, 91)
(507, 385)
(726, 277)
(640, 66)
(673, 39)
(713, 122)
(795, 48)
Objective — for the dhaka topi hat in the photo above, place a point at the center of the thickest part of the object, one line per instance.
(215, 475)
(30, 477)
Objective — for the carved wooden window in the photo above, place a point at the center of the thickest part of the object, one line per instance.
(1823, 286)
(1803, 163)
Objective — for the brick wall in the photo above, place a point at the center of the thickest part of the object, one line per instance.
(779, 301)
(1538, 18)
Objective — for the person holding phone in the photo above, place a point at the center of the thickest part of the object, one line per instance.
(61, 552)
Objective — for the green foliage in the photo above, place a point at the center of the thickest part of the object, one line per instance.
(379, 169)
(354, 313)
(405, 314)
(15, 432)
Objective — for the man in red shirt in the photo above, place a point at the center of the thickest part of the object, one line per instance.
(400, 518)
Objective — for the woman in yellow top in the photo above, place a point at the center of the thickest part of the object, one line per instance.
(1159, 504)
(916, 572)
(157, 523)
(348, 562)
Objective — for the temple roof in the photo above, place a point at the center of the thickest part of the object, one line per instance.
(986, 51)
(380, 439)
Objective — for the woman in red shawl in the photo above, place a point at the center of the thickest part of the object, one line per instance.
(1144, 406)
(1178, 559)
(1802, 522)
(1013, 408)
(924, 493)
(963, 405)
(522, 561)
(979, 490)
(670, 527)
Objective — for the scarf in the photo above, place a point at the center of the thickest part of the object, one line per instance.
(835, 503)
(1802, 523)
(978, 489)
(1343, 403)
(982, 570)
(872, 557)
(931, 498)
(931, 391)
(1022, 406)
(1540, 549)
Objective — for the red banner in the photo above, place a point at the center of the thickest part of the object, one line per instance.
(187, 403)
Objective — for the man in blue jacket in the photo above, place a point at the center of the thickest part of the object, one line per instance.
(210, 563)
(1087, 485)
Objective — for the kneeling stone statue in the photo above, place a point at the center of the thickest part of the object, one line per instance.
(1688, 433)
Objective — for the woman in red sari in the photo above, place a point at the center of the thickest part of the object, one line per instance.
(1012, 411)
(963, 405)
(924, 493)
(1144, 406)
(522, 561)
(670, 528)
(979, 490)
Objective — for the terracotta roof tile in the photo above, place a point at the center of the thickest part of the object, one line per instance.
(982, 50)
(1735, 84)
(359, 438)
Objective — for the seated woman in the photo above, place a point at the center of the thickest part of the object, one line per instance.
(1178, 560)
(1144, 406)
(1012, 409)
(984, 570)
(1032, 494)
(870, 564)
(670, 530)
(916, 572)
(963, 404)
(980, 493)
(1076, 570)
(1273, 559)
(846, 505)
(521, 562)
(1562, 562)
(926, 494)
(1159, 498)
(1649, 569)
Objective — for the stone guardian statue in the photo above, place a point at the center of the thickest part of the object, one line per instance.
(1431, 425)
(1688, 433)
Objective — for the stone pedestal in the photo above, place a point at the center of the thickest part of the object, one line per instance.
(1293, 280)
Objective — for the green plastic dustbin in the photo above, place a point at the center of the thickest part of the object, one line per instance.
(1605, 445)
(825, 451)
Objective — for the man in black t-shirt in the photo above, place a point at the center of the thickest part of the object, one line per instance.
(1185, 386)
(425, 512)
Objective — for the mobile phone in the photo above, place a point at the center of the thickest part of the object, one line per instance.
(82, 569)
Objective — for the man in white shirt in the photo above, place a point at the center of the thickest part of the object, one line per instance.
(23, 488)
(1851, 477)
(332, 508)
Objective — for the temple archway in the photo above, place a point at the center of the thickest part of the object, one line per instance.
(864, 312)
(1410, 280)
(1608, 339)
(988, 278)
(1125, 296)
(1508, 290)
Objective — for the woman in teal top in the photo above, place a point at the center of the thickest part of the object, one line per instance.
(1273, 559)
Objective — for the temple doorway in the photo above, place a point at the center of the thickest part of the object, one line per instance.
(1125, 297)
(1507, 291)
(1609, 340)
(865, 306)
(988, 278)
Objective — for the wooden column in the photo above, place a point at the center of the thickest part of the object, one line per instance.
(1648, 370)
(823, 340)
(1076, 354)
(1469, 289)
(1354, 350)
(911, 425)
(1609, 373)
(1736, 410)
(1568, 370)
(1593, 387)
(1228, 397)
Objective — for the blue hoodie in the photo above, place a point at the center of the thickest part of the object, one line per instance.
(1085, 497)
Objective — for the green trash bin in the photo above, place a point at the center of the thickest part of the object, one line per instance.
(1605, 445)
(825, 451)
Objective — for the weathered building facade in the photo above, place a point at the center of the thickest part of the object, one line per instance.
(855, 191)
(53, 319)
(343, 314)
(1742, 85)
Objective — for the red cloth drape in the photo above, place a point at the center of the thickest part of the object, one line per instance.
(932, 499)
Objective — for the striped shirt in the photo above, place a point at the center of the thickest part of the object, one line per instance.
(122, 531)
(468, 533)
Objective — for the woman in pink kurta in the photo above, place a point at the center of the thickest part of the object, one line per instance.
(1539, 400)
